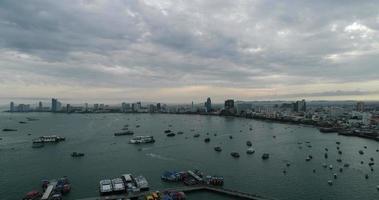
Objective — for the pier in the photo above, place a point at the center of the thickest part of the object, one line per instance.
(187, 189)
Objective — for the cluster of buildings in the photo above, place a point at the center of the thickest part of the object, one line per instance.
(339, 115)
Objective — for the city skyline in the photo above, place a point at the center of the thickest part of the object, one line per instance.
(178, 52)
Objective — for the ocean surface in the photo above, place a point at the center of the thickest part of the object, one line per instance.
(22, 167)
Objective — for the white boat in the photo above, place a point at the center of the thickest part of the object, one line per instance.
(105, 186)
(141, 183)
(142, 140)
(118, 185)
(250, 151)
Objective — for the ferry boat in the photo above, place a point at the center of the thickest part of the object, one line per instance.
(49, 139)
(118, 185)
(142, 140)
(105, 187)
(124, 133)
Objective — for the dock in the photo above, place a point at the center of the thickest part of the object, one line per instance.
(187, 189)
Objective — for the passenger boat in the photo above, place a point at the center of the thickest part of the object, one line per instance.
(235, 154)
(218, 149)
(124, 133)
(77, 154)
(49, 139)
(265, 156)
(105, 187)
(142, 140)
(118, 185)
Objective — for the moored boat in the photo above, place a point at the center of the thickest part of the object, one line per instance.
(142, 140)
(105, 187)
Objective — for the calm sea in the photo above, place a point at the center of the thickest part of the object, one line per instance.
(22, 168)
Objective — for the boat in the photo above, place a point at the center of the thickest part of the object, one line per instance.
(346, 165)
(63, 186)
(56, 196)
(361, 152)
(171, 135)
(180, 132)
(366, 176)
(339, 160)
(230, 137)
(173, 195)
(206, 140)
(235, 154)
(141, 183)
(335, 176)
(153, 196)
(124, 133)
(330, 182)
(118, 185)
(49, 139)
(328, 130)
(330, 166)
(250, 151)
(77, 154)
(218, 149)
(265, 156)
(325, 155)
(172, 176)
(248, 143)
(167, 131)
(338, 143)
(196, 135)
(214, 180)
(22, 122)
(9, 129)
(340, 152)
(32, 195)
(142, 140)
(105, 187)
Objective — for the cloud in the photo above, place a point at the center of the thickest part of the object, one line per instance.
(160, 46)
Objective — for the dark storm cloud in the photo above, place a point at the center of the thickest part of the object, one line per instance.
(158, 44)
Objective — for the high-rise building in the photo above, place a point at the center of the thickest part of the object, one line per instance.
(158, 107)
(11, 109)
(54, 105)
(68, 108)
(360, 107)
(229, 104)
(208, 105)
(40, 107)
(95, 106)
(300, 106)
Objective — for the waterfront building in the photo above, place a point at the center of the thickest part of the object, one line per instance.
(95, 106)
(68, 108)
(125, 107)
(55, 105)
(208, 105)
(300, 106)
(12, 107)
(159, 107)
(229, 104)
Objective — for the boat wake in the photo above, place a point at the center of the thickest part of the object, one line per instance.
(160, 157)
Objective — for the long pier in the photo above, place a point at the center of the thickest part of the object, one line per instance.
(187, 189)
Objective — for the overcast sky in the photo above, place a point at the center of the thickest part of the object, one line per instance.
(183, 51)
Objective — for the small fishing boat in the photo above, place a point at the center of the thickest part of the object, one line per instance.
(218, 149)
(250, 151)
(235, 154)
(206, 140)
(248, 143)
(265, 156)
(361, 152)
(77, 154)
(330, 182)
(171, 135)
